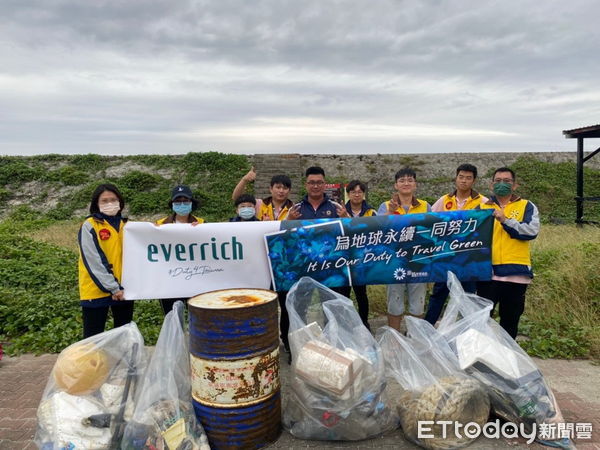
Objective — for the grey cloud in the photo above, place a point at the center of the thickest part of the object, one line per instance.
(124, 72)
(386, 35)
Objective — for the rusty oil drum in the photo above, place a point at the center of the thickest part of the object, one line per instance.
(234, 346)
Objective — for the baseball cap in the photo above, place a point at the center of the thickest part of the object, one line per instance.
(181, 190)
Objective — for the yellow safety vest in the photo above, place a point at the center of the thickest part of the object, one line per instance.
(109, 242)
(505, 249)
(449, 202)
(267, 212)
(418, 206)
(171, 219)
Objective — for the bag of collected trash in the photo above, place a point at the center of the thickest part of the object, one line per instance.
(337, 389)
(89, 395)
(435, 395)
(517, 389)
(163, 416)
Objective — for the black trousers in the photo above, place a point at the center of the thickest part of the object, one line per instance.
(94, 319)
(438, 297)
(284, 319)
(511, 300)
(363, 303)
(167, 304)
(361, 298)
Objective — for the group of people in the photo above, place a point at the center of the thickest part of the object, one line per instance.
(516, 223)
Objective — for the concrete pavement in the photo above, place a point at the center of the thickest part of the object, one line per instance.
(576, 385)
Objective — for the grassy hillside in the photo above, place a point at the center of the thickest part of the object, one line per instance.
(552, 187)
(59, 186)
(43, 199)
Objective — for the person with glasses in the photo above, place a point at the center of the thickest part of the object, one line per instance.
(462, 198)
(182, 204)
(315, 204)
(516, 223)
(357, 206)
(404, 202)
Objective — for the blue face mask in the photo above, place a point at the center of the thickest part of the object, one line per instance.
(182, 208)
(247, 212)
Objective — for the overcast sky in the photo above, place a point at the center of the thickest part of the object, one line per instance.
(372, 76)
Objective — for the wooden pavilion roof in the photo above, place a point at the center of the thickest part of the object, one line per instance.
(592, 131)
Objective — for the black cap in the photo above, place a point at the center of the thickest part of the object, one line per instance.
(181, 191)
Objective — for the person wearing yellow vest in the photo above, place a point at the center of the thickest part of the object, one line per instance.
(100, 262)
(182, 204)
(404, 202)
(463, 197)
(274, 207)
(516, 223)
(357, 206)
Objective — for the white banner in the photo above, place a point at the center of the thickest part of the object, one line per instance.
(180, 260)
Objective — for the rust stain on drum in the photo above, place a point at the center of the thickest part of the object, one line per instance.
(254, 426)
(235, 382)
(233, 333)
(242, 299)
(210, 376)
(268, 366)
(235, 366)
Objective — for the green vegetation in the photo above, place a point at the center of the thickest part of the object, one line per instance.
(39, 308)
(552, 187)
(212, 176)
(39, 298)
(38, 293)
(563, 303)
(39, 304)
(14, 171)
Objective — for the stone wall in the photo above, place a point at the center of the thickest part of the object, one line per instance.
(434, 171)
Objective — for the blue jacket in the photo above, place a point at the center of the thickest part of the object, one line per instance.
(326, 210)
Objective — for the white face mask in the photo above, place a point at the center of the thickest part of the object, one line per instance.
(247, 212)
(110, 209)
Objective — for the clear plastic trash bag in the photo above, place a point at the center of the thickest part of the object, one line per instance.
(517, 388)
(338, 386)
(89, 394)
(164, 417)
(435, 393)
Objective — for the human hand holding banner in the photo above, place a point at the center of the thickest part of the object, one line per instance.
(180, 260)
(413, 248)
